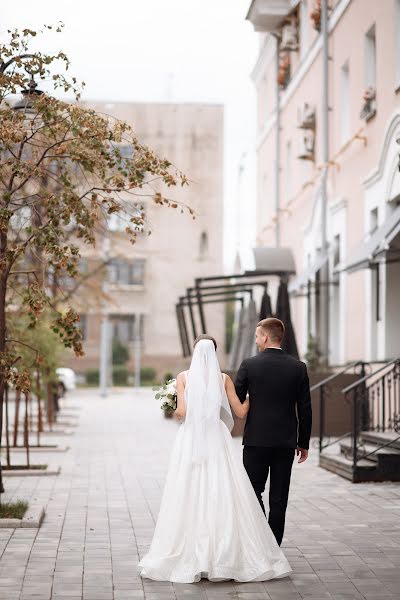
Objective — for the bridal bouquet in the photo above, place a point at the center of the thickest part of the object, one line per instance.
(166, 395)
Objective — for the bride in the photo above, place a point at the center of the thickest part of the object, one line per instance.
(210, 522)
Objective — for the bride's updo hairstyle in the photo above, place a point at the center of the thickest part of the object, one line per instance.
(204, 336)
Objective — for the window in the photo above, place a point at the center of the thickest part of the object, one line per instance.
(344, 102)
(126, 272)
(137, 272)
(82, 324)
(203, 249)
(125, 327)
(304, 28)
(370, 58)
(336, 250)
(376, 284)
(373, 220)
(288, 174)
(335, 309)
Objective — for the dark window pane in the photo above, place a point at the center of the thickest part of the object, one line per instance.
(82, 324)
(137, 272)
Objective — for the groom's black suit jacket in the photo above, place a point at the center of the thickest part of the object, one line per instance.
(278, 387)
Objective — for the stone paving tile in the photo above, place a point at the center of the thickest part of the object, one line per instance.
(342, 540)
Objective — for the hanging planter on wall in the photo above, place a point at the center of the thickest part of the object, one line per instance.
(369, 103)
(315, 15)
(284, 70)
(306, 124)
(290, 35)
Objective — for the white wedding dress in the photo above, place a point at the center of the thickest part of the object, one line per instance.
(210, 523)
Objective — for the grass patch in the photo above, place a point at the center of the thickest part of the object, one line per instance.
(13, 510)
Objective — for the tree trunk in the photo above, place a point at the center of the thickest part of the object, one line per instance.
(16, 417)
(26, 428)
(39, 407)
(50, 401)
(3, 290)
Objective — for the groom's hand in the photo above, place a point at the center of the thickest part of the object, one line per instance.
(302, 453)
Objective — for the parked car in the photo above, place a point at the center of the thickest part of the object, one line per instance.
(67, 380)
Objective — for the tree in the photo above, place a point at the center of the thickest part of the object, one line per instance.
(62, 174)
(313, 355)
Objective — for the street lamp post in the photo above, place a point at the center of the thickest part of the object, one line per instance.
(105, 332)
(137, 349)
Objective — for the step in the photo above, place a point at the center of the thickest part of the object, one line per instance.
(337, 463)
(379, 455)
(382, 437)
(386, 469)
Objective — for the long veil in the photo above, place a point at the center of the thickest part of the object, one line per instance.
(206, 400)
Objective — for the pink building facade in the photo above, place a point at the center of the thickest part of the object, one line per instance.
(362, 250)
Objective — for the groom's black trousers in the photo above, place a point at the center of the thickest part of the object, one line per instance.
(277, 462)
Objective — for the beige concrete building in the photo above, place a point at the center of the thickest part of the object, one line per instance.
(362, 212)
(145, 280)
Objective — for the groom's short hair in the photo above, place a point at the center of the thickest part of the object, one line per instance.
(273, 327)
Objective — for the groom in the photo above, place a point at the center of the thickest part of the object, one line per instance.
(279, 419)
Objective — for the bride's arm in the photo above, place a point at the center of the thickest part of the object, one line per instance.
(180, 411)
(238, 408)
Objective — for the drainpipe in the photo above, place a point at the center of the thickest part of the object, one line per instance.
(277, 146)
(324, 292)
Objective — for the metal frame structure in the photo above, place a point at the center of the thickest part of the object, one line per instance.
(214, 297)
(242, 276)
(230, 288)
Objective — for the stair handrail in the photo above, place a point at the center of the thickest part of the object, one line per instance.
(354, 389)
(334, 375)
(363, 379)
(321, 387)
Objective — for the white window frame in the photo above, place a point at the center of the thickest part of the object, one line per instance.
(370, 57)
(345, 102)
(304, 28)
(397, 44)
(288, 174)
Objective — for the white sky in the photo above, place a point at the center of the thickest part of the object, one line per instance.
(159, 50)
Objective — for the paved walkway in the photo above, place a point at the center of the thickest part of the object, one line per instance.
(342, 540)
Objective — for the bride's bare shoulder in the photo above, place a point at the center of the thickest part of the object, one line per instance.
(181, 376)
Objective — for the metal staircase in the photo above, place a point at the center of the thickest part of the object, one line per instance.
(370, 449)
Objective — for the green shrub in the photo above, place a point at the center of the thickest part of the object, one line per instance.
(168, 376)
(147, 375)
(120, 352)
(120, 375)
(92, 376)
(313, 355)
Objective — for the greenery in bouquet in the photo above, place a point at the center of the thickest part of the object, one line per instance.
(166, 396)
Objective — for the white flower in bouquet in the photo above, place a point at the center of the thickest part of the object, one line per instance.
(166, 395)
